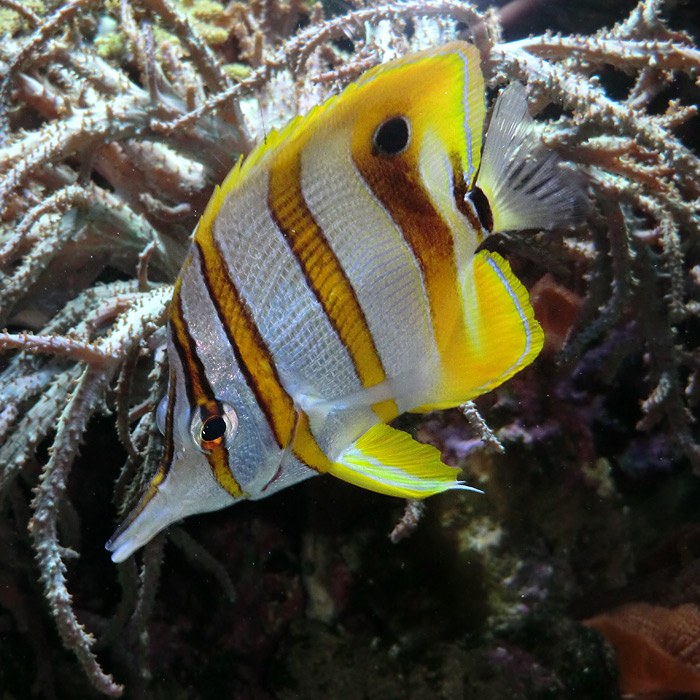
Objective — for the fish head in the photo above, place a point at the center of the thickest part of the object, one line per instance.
(217, 450)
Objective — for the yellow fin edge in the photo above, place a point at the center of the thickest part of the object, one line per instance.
(302, 125)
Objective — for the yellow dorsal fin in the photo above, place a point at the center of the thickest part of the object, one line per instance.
(300, 125)
(458, 54)
(503, 334)
(217, 197)
(391, 462)
(265, 149)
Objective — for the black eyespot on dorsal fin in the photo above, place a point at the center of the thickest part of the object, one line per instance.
(392, 136)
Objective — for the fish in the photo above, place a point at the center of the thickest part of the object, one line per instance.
(336, 280)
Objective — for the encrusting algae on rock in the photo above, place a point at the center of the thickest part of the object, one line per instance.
(106, 167)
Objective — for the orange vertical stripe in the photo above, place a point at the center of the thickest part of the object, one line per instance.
(324, 274)
(397, 185)
(253, 356)
(199, 391)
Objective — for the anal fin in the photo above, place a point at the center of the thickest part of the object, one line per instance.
(499, 338)
(391, 462)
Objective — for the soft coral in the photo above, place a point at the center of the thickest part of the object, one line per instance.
(657, 648)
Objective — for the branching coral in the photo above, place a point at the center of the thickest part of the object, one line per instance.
(116, 122)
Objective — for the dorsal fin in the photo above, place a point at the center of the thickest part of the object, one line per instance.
(271, 143)
(301, 128)
(265, 149)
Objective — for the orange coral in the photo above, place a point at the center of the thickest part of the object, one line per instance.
(556, 308)
(657, 648)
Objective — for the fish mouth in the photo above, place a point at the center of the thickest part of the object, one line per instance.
(140, 526)
(169, 498)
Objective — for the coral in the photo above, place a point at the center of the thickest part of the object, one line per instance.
(556, 308)
(116, 121)
(657, 648)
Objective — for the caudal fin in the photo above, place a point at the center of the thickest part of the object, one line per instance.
(525, 183)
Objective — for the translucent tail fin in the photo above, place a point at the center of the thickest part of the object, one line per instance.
(525, 183)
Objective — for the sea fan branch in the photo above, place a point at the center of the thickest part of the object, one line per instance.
(44, 524)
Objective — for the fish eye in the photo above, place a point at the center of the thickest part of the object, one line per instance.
(214, 425)
(392, 136)
(213, 429)
(161, 414)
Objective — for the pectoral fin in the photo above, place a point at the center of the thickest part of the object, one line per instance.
(391, 462)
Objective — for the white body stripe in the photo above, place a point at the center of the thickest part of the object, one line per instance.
(287, 314)
(375, 257)
(438, 179)
(227, 380)
(270, 280)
